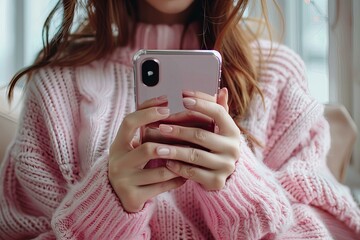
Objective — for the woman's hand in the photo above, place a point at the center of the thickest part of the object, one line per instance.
(209, 168)
(133, 184)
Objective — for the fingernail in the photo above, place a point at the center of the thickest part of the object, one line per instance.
(189, 101)
(163, 111)
(162, 151)
(165, 128)
(188, 93)
(162, 98)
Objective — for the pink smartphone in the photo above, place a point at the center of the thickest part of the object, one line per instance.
(169, 72)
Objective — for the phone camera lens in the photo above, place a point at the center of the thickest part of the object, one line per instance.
(150, 72)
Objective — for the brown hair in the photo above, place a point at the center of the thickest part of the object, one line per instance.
(94, 38)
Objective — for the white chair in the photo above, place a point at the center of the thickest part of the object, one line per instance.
(343, 133)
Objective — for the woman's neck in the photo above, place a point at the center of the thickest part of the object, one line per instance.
(149, 14)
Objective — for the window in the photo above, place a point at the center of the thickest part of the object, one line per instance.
(36, 12)
(326, 34)
(314, 47)
(306, 32)
(7, 41)
(22, 23)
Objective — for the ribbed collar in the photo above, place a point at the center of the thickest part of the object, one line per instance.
(158, 37)
(166, 36)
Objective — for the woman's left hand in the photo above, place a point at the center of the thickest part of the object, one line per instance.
(209, 168)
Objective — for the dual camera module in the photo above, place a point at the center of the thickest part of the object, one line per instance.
(150, 72)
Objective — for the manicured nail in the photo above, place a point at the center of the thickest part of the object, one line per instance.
(163, 111)
(162, 98)
(188, 93)
(165, 128)
(162, 151)
(189, 101)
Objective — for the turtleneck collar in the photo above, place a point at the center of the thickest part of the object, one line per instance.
(166, 36)
(149, 36)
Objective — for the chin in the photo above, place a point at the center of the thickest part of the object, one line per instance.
(170, 6)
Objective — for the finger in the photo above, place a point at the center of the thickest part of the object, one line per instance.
(223, 98)
(201, 158)
(137, 119)
(191, 119)
(135, 142)
(188, 116)
(158, 101)
(198, 94)
(190, 155)
(135, 199)
(152, 190)
(210, 180)
(215, 111)
(154, 135)
(153, 175)
(206, 139)
(138, 157)
(185, 118)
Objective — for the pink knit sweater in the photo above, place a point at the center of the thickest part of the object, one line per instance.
(54, 184)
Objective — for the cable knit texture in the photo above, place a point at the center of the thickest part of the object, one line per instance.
(54, 180)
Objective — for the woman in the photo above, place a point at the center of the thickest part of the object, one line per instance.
(76, 171)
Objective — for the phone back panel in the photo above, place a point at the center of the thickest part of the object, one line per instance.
(197, 70)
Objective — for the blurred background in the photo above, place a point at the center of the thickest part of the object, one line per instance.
(323, 32)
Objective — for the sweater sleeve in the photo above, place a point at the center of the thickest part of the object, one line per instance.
(258, 203)
(276, 197)
(311, 187)
(38, 199)
(251, 205)
(307, 179)
(298, 151)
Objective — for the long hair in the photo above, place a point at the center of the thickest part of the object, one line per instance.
(222, 28)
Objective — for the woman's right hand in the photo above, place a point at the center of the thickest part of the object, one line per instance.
(134, 184)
